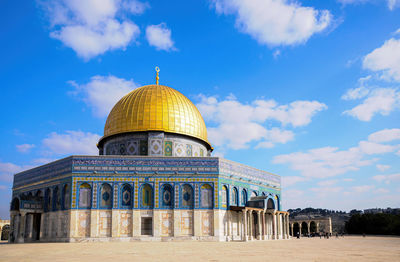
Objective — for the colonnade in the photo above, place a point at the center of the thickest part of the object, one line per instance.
(322, 225)
(260, 224)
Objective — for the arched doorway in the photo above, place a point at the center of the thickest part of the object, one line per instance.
(313, 227)
(296, 229)
(304, 228)
(5, 232)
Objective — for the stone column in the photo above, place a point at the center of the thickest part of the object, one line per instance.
(269, 221)
(259, 225)
(244, 225)
(274, 227)
(21, 230)
(317, 227)
(251, 222)
(308, 227)
(228, 226)
(279, 229)
(287, 217)
(29, 227)
(291, 227)
(264, 226)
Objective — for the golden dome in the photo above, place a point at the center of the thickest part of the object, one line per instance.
(156, 108)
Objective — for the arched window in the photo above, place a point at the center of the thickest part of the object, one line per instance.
(66, 197)
(224, 196)
(147, 196)
(15, 204)
(253, 194)
(167, 196)
(270, 204)
(244, 197)
(56, 199)
(187, 196)
(278, 204)
(126, 196)
(206, 196)
(106, 196)
(234, 196)
(47, 204)
(85, 195)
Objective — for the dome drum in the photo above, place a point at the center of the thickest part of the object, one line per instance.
(154, 144)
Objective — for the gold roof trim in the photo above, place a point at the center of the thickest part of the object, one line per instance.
(155, 108)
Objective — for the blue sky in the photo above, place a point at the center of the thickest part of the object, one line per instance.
(308, 90)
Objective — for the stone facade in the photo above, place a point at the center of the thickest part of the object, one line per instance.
(126, 198)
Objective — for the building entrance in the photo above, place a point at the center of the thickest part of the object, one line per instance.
(147, 226)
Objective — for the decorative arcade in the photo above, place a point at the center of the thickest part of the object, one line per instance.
(309, 226)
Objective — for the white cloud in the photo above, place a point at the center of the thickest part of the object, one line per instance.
(135, 7)
(359, 92)
(71, 142)
(382, 167)
(379, 101)
(288, 181)
(7, 170)
(236, 124)
(348, 179)
(93, 27)
(327, 183)
(385, 60)
(385, 135)
(324, 162)
(24, 148)
(326, 191)
(103, 92)
(276, 135)
(391, 4)
(387, 178)
(362, 189)
(329, 161)
(371, 148)
(159, 36)
(275, 22)
(381, 190)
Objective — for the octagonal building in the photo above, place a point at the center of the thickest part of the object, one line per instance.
(154, 179)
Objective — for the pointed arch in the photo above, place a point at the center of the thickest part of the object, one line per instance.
(66, 197)
(224, 196)
(167, 196)
(244, 197)
(235, 197)
(147, 196)
(126, 196)
(187, 196)
(85, 195)
(48, 200)
(106, 196)
(206, 196)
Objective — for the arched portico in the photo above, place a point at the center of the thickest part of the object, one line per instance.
(311, 226)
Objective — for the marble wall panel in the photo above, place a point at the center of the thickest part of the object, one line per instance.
(84, 223)
(105, 223)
